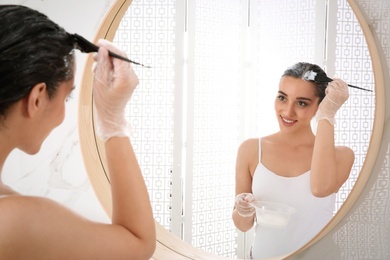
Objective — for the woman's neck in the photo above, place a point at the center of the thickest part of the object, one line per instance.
(298, 138)
(6, 190)
(5, 149)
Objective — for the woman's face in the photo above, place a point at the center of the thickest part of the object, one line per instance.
(296, 103)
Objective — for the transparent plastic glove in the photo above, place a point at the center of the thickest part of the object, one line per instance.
(114, 83)
(242, 205)
(336, 94)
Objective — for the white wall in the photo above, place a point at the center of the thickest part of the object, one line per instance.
(58, 170)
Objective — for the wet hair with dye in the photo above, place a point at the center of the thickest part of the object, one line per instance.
(33, 49)
(300, 69)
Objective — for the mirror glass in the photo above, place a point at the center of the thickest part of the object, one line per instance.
(215, 68)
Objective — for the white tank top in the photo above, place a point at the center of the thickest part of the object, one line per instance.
(312, 213)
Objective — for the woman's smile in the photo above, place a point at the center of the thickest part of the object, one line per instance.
(288, 122)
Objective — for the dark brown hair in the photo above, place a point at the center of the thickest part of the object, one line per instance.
(33, 49)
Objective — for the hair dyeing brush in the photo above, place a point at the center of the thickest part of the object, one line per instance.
(86, 46)
(316, 77)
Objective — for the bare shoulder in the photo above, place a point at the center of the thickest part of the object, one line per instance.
(247, 157)
(36, 225)
(250, 144)
(15, 204)
(17, 211)
(11, 205)
(44, 229)
(248, 150)
(271, 138)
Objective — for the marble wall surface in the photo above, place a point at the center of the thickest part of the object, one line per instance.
(58, 171)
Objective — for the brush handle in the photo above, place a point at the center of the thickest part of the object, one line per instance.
(323, 78)
(352, 86)
(125, 59)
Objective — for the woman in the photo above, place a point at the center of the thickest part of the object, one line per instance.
(36, 78)
(294, 166)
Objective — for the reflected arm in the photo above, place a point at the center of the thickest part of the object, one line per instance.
(330, 166)
(245, 164)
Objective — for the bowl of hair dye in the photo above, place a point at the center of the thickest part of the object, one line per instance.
(272, 214)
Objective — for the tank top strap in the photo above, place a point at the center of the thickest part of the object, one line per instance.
(259, 150)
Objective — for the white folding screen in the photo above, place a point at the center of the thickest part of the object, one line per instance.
(215, 58)
(147, 34)
(364, 232)
(349, 59)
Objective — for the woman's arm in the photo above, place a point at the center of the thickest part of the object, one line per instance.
(131, 205)
(115, 82)
(247, 153)
(330, 166)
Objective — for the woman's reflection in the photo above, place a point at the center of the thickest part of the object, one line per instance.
(294, 166)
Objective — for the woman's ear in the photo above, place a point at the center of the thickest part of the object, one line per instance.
(36, 99)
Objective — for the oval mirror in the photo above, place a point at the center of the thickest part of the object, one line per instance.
(215, 68)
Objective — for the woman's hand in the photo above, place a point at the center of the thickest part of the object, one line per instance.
(114, 84)
(242, 205)
(336, 94)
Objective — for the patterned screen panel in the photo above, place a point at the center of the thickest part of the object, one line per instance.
(146, 34)
(217, 30)
(352, 63)
(365, 233)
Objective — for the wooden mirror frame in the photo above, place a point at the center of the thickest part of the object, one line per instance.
(169, 246)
